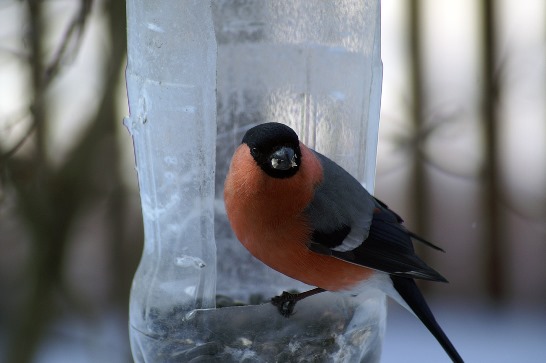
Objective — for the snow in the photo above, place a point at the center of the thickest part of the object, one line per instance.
(480, 333)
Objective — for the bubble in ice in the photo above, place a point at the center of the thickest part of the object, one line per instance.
(190, 261)
(155, 27)
(171, 160)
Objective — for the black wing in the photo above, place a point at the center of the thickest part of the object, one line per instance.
(387, 248)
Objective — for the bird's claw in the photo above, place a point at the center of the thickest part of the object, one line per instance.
(285, 303)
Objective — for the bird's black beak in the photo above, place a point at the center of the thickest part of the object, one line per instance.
(283, 159)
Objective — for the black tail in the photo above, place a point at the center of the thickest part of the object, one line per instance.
(409, 291)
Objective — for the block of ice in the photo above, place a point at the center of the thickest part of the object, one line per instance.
(199, 74)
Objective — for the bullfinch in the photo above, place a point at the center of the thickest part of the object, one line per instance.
(305, 216)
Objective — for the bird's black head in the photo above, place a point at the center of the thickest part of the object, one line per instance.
(275, 148)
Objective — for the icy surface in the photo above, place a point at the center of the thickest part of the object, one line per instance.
(171, 89)
(314, 65)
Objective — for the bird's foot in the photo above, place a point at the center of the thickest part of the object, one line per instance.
(285, 303)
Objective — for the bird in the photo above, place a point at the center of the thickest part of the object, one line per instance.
(305, 216)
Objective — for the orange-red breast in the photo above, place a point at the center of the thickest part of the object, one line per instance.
(306, 217)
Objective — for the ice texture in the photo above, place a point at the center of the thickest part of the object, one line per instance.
(171, 88)
(200, 73)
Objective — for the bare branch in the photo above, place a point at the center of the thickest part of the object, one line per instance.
(14, 53)
(22, 115)
(6, 155)
(72, 35)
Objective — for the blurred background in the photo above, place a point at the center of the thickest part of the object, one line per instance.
(461, 156)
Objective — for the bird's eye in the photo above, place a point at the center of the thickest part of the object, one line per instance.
(254, 151)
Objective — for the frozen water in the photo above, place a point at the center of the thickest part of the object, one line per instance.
(314, 65)
(320, 93)
(171, 88)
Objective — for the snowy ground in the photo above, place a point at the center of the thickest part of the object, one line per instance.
(507, 335)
